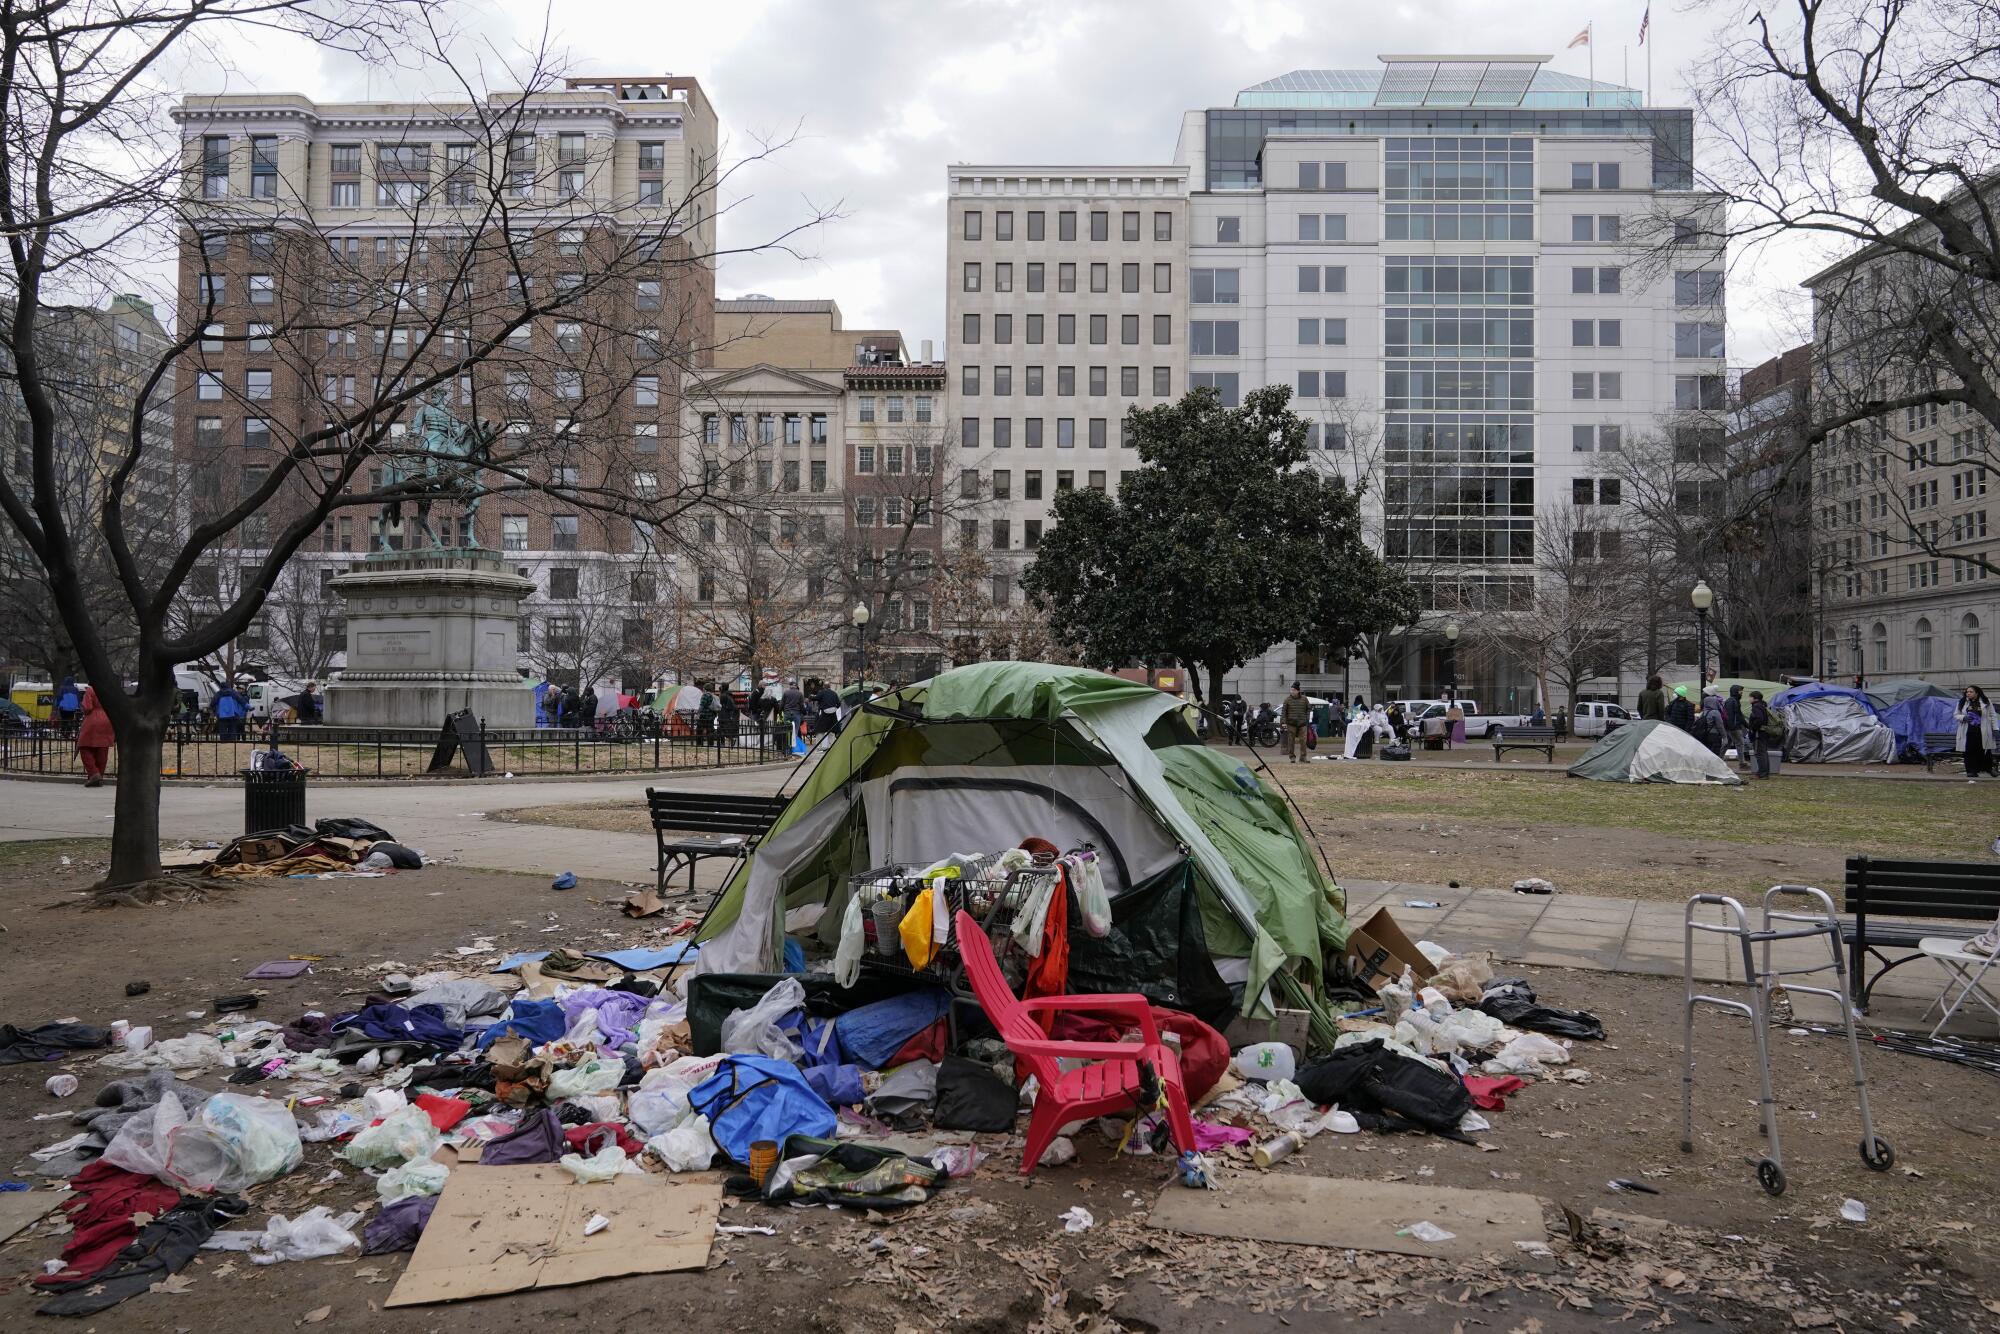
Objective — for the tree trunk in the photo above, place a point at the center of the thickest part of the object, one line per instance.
(135, 825)
(1216, 671)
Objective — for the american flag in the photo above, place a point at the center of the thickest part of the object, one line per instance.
(1645, 22)
(1581, 39)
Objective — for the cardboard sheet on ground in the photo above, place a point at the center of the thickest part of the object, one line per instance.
(506, 1229)
(1355, 1215)
(18, 1208)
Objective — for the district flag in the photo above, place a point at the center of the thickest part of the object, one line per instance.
(1645, 23)
(1581, 39)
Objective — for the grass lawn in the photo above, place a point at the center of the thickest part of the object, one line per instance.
(1434, 825)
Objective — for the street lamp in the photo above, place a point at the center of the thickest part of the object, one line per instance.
(860, 618)
(1703, 597)
(1854, 647)
(1451, 660)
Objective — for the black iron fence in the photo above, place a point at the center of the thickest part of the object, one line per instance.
(622, 744)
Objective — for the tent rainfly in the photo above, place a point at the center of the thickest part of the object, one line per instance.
(1651, 752)
(1213, 886)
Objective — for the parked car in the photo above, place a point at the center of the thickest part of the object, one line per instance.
(1593, 719)
(1429, 715)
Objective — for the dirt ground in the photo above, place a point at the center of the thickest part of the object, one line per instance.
(1488, 828)
(990, 1254)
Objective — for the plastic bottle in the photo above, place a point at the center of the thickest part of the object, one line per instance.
(61, 1085)
(1266, 1061)
(1276, 1150)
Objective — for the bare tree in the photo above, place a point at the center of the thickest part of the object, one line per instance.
(1576, 627)
(93, 172)
(759, 592)
(1869, 131)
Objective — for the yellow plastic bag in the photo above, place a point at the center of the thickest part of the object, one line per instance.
(915, 929)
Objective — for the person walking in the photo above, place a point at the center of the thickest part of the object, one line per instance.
(69, 703)
(792, 703)
(1975, 733)
(94, 738)
(1562, 721)
(1653, 699)
(704, 719)
(229, 711)
(1762, 723)
(1296, 714)
(828, 702)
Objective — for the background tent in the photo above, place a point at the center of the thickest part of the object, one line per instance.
(1833, 725)
(1651, 752)
(1885, 695)
(1721, 686)
(981, 757)
(1919, 716)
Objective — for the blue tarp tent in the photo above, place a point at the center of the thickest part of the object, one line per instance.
(1918, 716)
(1833, 724)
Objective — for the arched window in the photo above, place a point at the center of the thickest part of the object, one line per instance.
(1880, 634)
(1920, 641)
(1968, 640)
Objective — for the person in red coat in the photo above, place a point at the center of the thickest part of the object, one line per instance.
(94, 739)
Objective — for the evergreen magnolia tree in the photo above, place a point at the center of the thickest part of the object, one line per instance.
(1222, 545)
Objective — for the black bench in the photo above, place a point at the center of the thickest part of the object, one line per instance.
(1952, 891)
(1940, 748)
(712, 824)
(1526, 738)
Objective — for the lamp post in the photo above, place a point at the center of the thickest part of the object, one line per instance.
(860, 618)
(1854, 646)
(1451, 661)
(1703, 597)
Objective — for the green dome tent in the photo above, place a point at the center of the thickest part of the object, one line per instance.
(1201, 858)
(1651, 752)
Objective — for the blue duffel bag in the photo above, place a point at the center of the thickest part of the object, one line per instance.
(751, 1098)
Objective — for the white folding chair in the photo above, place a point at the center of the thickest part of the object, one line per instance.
(1966, 970)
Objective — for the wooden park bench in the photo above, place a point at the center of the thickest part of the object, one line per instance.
(1940, 748)
(1526, 738)
(689, 827)
(1951, 891)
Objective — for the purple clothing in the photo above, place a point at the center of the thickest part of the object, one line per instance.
(539, 1139)
(398, 1226)
(618, 1012)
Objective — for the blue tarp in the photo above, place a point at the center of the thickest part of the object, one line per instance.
(537, 1021)
(870, 1035)
(1784, 699)
(751, 1098)
(1914, 718)
(636, 961)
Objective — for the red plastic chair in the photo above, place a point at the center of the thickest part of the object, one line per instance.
(1112, 1081)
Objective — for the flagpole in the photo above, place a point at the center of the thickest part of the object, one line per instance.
(1590, 44)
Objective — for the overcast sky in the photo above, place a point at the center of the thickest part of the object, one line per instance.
(876, 98)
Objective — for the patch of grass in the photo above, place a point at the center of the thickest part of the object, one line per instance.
(40, 853)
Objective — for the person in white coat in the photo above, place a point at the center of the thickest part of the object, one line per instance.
(1975, 732)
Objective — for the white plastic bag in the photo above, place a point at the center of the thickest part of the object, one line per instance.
(597, 1106)
(688, 1147)
(233, 1143)
(661, 1101)
(853, 940)
(406, 1135)
(1526, 1055)
(315, 1233)
(580, 1081)
(603, 1165)
(421, 1176)
(1092, 899)
(755, 1030)
(1266, 1061)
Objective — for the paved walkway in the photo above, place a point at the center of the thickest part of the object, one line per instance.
(446, 820)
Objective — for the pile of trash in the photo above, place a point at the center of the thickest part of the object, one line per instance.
(336, 848)
(607, 1065)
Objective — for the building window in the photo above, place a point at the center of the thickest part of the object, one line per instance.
(1003, 225)
(1100, 225)
(562, 532)
(1128, 330)
(1920, 643)
(257, 385)
(972, 217)
(1213, 338)
(344, 194)
(1594, 333)
(1065, 433)
(1698, 339)
(215, 166)
(256, 433)
(1228, 230)
(1698, 287)
(1968, 640)
(1217, 287)
(1698, 393)
(970, 281)
(263, 289)
(1038, 223)
(969, 330)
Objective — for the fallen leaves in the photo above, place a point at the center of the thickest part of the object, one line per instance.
(314, 1316)
(173, 1285)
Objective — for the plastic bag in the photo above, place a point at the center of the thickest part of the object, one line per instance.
(660, 1103)
(407, 1134)
(580, 1081)
(1092, 899)
(597, 1106)
(1526, 1055)
(233, 1143)
(1464, 979)
(316, 1233)
(422, 1176)
(605, 1164)
(853, 940)
(688, 1147)
(755, 1031)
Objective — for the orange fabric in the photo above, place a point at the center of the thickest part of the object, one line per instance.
(96, 728)
(1048, 972)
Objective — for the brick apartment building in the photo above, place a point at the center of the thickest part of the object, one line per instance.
(339, 247)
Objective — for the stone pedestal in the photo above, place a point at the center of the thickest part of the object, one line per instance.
(430, 632)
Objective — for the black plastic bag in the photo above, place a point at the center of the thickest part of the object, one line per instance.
(354, 827)
(400, 857)
(971, 1097)
(1523, 1012)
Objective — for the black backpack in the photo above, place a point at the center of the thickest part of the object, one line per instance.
(1371, 1078)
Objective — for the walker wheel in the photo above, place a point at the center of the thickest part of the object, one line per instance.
(1877, 1154)
(1771, 1177)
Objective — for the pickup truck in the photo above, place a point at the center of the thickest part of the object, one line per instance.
(1427, 715)
(1597, 719)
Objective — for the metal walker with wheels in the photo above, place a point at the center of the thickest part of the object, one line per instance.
(1777, 924)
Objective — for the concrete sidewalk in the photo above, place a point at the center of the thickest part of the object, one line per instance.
(446, 820)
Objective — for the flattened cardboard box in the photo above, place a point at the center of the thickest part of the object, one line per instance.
(507, 1229)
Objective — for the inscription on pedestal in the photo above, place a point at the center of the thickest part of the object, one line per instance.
(392, 648)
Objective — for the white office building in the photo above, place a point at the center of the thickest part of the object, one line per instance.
(1440, 257)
